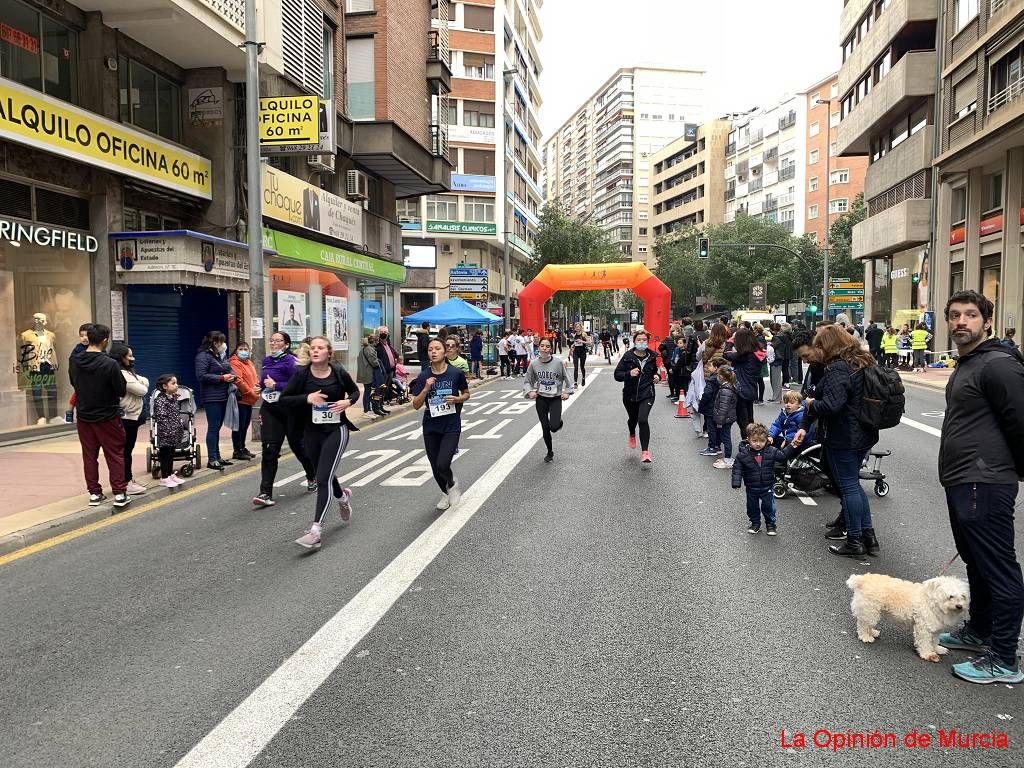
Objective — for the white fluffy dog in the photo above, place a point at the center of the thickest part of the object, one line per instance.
(931, 606)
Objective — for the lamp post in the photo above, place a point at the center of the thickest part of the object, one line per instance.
(828, 206)
(507, 263)
(252, 163)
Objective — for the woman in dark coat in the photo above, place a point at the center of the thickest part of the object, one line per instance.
(746, 358)
(638, 372)
(215, 377)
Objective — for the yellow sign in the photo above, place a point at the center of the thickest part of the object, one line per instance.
(31, 118)
(289, 120)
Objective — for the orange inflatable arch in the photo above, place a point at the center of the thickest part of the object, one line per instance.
(634, 275)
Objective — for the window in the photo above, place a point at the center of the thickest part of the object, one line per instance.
(898, 134)
(965, 97)
(812, 184)
(478, 17)
(479, 209)
(833, 120)
(478, 113)
(478, 66)
(834, 91)
(842, 205)
(840, 177)
(813, 158)
(478, 162)
(992, 192)
(360, 78)
(918, 119)
(408, 210)
(328, 91)
(958, 205)
(641, 249)
(963, 12)
(442, 10)
(148, 100)
(833, 149)
(812, 212)
(882, 66)
(848, 46)
(642, 231)
(358, 6)
(815, 99)
(815, 129)
(442, 208)
(302, 43)
(1005, 78)
(38, 52)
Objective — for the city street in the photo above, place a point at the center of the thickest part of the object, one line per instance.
(588, 612)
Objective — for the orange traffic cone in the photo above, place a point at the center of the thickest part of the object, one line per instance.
(681, 412)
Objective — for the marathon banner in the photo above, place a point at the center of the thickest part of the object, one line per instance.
(32, 118)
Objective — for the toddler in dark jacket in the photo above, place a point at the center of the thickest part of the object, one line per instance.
(755, 468)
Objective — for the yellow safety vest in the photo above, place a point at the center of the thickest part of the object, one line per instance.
(889, 344)
(918, 339)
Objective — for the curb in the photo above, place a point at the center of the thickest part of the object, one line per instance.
(64, 524)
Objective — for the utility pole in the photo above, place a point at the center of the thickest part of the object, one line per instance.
(252, 165)
(506, 76)
(828, 206)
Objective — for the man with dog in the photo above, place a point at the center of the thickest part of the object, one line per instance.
(981, 458)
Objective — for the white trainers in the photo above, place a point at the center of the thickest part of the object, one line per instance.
(134, 489)
(455, 493)
(720, 464)
(166, 482)
(345, 505)
(444, 503)
(177, 480)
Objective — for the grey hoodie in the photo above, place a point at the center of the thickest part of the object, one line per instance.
(548, 379)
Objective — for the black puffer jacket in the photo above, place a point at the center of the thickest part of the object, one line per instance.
(638, 388)
(783, 343)
(748, 373)
(753, 474)
(725, 405)
(835, 410)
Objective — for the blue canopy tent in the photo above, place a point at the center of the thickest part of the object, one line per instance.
(453, 312)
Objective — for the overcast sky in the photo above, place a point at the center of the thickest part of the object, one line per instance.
(754, 51)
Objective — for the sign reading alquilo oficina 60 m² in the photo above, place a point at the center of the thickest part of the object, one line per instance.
(32, 118)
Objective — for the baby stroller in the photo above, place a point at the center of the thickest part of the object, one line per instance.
(805, 472)
(188, 448)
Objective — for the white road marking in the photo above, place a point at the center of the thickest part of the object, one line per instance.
(805, 499)
(285, 480)
(923, 427)
(494, 433)
(240, 737)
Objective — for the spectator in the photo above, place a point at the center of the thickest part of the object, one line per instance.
(368, 374)
(99, 387)
(1008, 338)
(248, 383)
(476, 354)
(874, 336)
(388, 357)
(132, 404)
(422, 339)
(746, 358)
(453, 355)
(215, 377)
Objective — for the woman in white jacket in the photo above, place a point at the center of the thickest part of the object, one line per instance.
(695, 393)
(131, 407)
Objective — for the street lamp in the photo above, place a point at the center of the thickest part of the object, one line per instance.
(828, 206)
(507, 266)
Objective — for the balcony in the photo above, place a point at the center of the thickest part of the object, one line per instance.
(439, 72)
(895, 229)
(730, 194)
(786, 199)
(912, 156)
(439, 141)
(1012, 92)
(911, 78)
(787, 172)
(788, 121)
(771, 204)
(996, 7)
(771, 154)
(730, 149)
(755, 186)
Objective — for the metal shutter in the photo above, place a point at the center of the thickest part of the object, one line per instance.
(302, 41)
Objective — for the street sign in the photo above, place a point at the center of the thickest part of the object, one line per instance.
(846, 292)
(758, 295)
(846, 285)
(839, 279)
(469, 283)
(467, 271)
(468, 296)
(846, 304)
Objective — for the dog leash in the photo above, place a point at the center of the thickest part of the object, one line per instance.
(946, 566)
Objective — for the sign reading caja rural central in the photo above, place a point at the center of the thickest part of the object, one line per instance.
(289, 120)
(32, 118)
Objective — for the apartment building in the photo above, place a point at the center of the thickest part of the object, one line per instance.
(687, 187)
(980, 162)
(845, 175)
(767, 162)
(489, 121)
(602, 154)
(129, 209)
(887, 94)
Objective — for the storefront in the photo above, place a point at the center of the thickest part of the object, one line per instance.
(908, 287)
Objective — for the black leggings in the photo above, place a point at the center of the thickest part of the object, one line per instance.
(579, 363)
(506, 366)
(131, 434)
(744, 415)
(638, 412)
(276, 427)
(166, 454)
(549, 411)
(441, 448)
(325, 450)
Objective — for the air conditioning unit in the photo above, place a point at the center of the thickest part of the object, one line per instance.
(446, 248)
(322, 163)
(357, 186)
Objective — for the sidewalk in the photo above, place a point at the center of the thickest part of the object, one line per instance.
(932, 378)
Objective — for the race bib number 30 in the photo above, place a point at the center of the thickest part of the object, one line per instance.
(322, 414)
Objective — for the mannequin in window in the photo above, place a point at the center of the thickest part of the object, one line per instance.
(37, 354)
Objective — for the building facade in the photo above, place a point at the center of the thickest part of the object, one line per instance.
(766, 164)
(980, 162)
(845, 174)
(887, 96)
(491, 128)
(598, 163)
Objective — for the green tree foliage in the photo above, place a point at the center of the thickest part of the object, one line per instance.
(841, 262)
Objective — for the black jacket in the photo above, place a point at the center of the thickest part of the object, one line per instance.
(874, 337)
(706, 406)
(725, 405)
(748, 373)
(835, 410)
(636, 389)
(294, 394)
(982, 433)
(783, 343)
(99, 386)
(754, 475)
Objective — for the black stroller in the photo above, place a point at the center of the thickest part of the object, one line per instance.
(806, 472)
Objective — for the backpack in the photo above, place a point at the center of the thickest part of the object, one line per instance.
(884, 400)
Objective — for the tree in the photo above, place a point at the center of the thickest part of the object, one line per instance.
(681, 270)
(841, 261)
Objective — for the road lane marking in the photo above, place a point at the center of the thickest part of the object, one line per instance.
(923, 427)
(241, 736)
(291, 478)
(805, 499)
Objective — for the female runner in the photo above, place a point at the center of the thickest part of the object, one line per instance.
(547, 382)
(638, 370)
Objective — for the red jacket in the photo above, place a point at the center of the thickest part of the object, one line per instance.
(246, 381)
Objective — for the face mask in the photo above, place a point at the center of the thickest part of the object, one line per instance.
(383, 337)
(640, 346)
(279, 353)
(243, 355)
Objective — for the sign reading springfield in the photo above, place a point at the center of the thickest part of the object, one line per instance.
(289, 120)
(32, 118)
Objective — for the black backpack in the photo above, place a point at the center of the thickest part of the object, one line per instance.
(884, 400)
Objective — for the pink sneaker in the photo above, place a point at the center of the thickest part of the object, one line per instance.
(177, 480)
(632, 441)
(311, 539)
(167, 482)
(645, 457)
(345, 505)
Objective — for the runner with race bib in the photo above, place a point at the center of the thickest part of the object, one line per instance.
(320, 393)
(443, 389)
(547, 382)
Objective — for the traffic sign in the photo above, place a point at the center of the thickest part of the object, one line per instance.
(846, 292)
(470, 283)
(468, 296)
(839, 279)
(846, 285)
(846, 304)
(467, 271)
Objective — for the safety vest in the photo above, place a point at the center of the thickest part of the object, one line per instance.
(889, 344)
(919, 339)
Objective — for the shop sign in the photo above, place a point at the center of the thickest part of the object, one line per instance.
(896, 274)
(48, 237)
(32, 118)
(289, 120)
(205, 106)
(180, 253)
(19, 39)
(472, 134)
(331, 257)
(327, 119)
(957, 235)
(461, 228)
(991, 225)
(293, 201)
(465, 183)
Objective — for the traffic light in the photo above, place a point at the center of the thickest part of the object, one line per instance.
(916, 278)
(812, 307)
(703, 247)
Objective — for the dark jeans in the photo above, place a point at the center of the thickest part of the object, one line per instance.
(506, 366)
(638, 412)
(474, 367)
(760, 391)
(522, 363)
(579, 363)
(714, 439)
(845, 466)
(108, 435)
(761, 502)
(441, 448)
(244, 421)
(549, 411)
(214, 421)
(724, 433)
(981, 517)
(325, 449)
(166, 455)
(744, 415)
(276, 427)
(131, 434)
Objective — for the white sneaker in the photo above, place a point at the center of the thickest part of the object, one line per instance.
(455, 494)
(720, 464)
(311, 539)
(177, 480)
(444, 503)
(166, 482)
(134, 489)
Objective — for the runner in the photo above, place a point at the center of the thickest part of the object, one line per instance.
(638, 370)
(443, 388)
(606, 344)
(547, 382)
(578, 343)
(321, 392)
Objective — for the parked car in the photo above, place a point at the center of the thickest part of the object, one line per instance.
(409, 346)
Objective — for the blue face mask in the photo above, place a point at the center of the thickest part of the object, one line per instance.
(640, 346)
(243, 355)
(279, 353)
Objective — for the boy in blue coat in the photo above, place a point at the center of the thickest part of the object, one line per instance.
(787, 423)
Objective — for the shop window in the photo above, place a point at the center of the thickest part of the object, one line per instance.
(38, 51)
(479, 209)
(442, 208)
(992, 192)
(148, 100)
(958, 205)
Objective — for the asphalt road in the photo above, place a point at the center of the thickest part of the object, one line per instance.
(590, 613)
